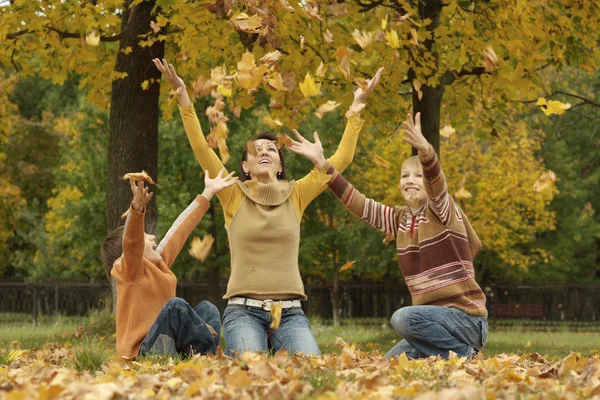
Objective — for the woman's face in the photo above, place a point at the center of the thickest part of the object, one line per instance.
(265, 164)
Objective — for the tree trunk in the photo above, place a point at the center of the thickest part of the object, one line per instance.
(214, 294)
(430, 104)
(335, 292)
(133, 143)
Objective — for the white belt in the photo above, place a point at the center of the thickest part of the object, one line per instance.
(264, 304)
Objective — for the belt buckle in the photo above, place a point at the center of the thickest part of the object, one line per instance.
(266, 304)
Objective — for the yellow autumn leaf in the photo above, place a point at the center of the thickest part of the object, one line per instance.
(243, 22)
(276, 308)
(172, 94)
(138, 176)
(92, 38)
(200, 248)
(272, 123)
(346, 266)
(414, 39)
(364, 39)
(342, 55)
(384, 22)
(391, 38)
(377, 159)
(462, 194)
(552, 106)
(276, 82)
(490, 60)
(224, 90)
(202, 87)
(545, 181)
(417, 86)
(283, 140)
(326, 107)
(249, 75)
(308, 87)
(447, 131)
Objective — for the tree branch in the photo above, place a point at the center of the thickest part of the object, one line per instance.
(585, 100)
(450, 76)
(63, 35)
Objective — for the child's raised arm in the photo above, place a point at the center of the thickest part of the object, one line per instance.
(171, 245)
(433, 176)
(131, 269)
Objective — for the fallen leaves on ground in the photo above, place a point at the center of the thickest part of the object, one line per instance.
(352, 374)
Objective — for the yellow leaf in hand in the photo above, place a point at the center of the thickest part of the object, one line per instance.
(326, 107)
(309, 88)
(200, 248)
(92, 38)
(552, 106)
(139, 176)
(392, 39)
(348, 265)
(447, 131)
(545, 181)
(276, 309)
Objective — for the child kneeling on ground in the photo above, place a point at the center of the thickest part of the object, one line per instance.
(150, 319)
(436, 246)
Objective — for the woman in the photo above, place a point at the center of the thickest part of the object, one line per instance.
(262, 218)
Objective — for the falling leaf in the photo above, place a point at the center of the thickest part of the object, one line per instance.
(490, 60)
(212, 330)
(244, 23)
(381, 161)
(224, 90)
(200, 248)
(92, 38)
(272, 123)
(552, 106)
(202, 87)
(338, 9)
(155, 27)
(139, 176)
(401, 17)
(275, 105)
(348, 265)
(326, 107)
(172, 94)
(328, 36)
(413, 37)
(277, 83)
(362, 83)
(462, 193)
(312, 10)
(342, 55)
(392, 39)
(417, 86)
(289, 80)
(384, 22)
(364, 39)
(271, 58)
(545, 181)
(276, 308)
(447, 131)
(251, 147)
(283, 140)
(308, 87)
(249, 75)
(321, 70)
(236, 109)
(301, 41)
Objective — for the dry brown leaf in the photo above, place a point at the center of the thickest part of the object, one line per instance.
(276, 308)
(328, 36)
(139, 176)
(155, 27)
(342, 55)
(271, 58)
(326, 107)
(312, 10)
(490, 59)
(283, 140)
(346, 266)
(249, 24)
(545, 181)
(200, 248)
(202, 87)
(212, 330)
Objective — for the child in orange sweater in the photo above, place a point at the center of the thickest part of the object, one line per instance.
(150, 319)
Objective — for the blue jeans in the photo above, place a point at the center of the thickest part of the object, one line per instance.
(181, 329)
(434, 330)
(247, 329)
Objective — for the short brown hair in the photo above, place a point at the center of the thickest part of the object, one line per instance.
(112, 248)
(268, 136)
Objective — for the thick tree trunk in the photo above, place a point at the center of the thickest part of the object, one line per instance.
(133, 143)
(430, 104)
(335, 292)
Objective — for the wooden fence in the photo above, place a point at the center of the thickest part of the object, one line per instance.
(570, 302)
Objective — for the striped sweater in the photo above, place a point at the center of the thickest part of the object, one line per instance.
(143, 288)
(436, 245)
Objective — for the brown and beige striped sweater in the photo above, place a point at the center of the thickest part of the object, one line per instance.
(436, 245)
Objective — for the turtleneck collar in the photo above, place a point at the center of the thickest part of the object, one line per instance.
(267, 194)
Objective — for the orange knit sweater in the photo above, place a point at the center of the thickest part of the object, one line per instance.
(143, 288)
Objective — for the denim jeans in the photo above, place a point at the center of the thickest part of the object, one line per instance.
(247, 329)
(181, 329)
(434, 330)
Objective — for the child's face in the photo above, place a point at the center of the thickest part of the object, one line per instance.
(412, 187)
(150, 249)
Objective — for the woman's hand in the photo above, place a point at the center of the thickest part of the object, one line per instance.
(414, 135)
(214, 185)
(312, 151)
(169, 73)
(361, 95)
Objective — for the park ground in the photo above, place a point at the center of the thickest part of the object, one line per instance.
(74, 358)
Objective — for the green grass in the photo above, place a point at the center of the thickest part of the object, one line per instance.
(96, 332)
(90, 355)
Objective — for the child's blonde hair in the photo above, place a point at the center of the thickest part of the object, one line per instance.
(413, 162)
